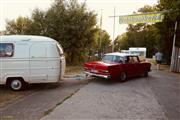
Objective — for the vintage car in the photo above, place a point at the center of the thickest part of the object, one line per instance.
(117, 66)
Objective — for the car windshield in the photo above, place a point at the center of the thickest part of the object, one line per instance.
(112, 58)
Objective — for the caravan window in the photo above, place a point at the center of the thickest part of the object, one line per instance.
(6, 49)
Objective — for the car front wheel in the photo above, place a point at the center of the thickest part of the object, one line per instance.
(145, 74)
(123, 77)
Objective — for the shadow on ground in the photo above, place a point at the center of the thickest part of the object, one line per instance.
(113, 82)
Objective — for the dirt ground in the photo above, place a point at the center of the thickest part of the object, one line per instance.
(8, 96)
(72, 70)
(146, 98)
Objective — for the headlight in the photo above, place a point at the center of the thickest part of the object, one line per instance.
(105, 71)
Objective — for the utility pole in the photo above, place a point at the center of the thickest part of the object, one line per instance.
(173, 49)
(114, 29)
(100, 40)
(100, 35)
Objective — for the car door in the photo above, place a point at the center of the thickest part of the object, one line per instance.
(129, 67)
(137, 66)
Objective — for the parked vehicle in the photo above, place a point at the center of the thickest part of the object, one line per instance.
(30, 59)
(140, 51)
(117, 66)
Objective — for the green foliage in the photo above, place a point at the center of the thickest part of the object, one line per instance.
(121, 42)
(166, 28)
(158, 36)
(101, 44)
(140, 35)
(18, 26)
(147, 8)
(68, 22)
(103, 41)
(39, 24)
(73, 26)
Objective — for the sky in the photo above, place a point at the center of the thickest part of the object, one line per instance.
(11, 9)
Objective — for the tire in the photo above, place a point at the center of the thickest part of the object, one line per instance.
(145, 74)
(17, 84)
(123, 77)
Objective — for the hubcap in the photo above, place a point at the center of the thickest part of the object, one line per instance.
(16, 84)
(123, 76)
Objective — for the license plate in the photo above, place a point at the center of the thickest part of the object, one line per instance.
(94, 71)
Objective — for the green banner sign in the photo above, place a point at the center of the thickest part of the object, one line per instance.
(141, 18)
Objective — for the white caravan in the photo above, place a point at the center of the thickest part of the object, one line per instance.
(30, 59)
(141, 52)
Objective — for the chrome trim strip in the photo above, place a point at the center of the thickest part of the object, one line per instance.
(97, 75)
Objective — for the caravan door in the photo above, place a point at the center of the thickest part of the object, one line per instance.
(38, 65)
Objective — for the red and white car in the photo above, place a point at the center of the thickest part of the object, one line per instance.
(117, 66)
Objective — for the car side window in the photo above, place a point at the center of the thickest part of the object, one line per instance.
(6, 49)
(133, 59)
(126, 59)
(117, 59)
(108, 58)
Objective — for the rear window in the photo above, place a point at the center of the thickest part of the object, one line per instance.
(6, 49)
(112, 58)
(132, 59)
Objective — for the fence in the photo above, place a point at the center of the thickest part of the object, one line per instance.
(175, 66)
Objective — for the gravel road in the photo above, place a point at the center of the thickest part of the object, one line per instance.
(155, 97)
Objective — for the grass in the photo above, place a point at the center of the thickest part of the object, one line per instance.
(73, 70)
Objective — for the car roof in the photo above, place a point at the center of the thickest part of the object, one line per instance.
(121, 54)
(17, 38)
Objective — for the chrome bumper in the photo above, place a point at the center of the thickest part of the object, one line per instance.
(97, 75)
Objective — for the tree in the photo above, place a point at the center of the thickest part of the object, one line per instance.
(121, 42)
(166, 28)
(158, 36)
(18, 26)
(68, 22)
(39, 24)
(103, 41)
(73, 26)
